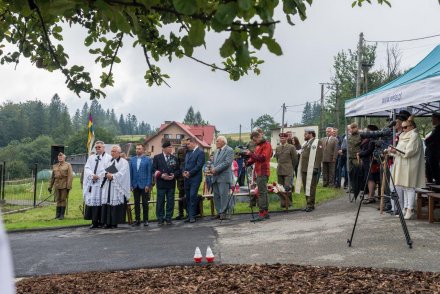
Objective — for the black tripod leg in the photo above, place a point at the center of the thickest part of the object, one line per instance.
(349, 241)
(355, 222)
(402, 221)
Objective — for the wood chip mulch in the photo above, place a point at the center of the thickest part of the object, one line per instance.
(278, 278)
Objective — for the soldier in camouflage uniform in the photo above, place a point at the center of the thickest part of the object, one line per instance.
(61, 181)
(354, 147)
(181, 153)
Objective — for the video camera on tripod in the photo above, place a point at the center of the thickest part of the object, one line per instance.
(241, 151)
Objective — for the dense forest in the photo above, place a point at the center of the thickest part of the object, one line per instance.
(29, 128)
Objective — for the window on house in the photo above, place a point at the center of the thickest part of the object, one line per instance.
(167, 136)
(180, 136)
(152, 148)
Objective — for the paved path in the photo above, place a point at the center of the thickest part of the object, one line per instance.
(317, 238)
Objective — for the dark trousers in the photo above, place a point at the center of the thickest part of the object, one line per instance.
(163, 194)
(139, 194)
(182, 199)
(191, 190)
(310, 199)
(432, 169)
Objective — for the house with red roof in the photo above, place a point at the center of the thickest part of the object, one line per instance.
(174, 132)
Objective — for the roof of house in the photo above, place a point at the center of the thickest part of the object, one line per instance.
(203, 134)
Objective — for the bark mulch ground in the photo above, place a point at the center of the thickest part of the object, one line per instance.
(238, 279)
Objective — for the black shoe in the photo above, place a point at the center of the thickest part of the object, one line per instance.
(160, 224)
(192, 220)
(93, 226)
(309, 209)
(145, 223)
(136, 223)
(179, 217)
(108, 227)
(168, 222)
(216, 217)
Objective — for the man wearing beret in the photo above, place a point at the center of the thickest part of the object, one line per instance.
(165, 169)
(62, 177)
(432, 142)
(287, 158)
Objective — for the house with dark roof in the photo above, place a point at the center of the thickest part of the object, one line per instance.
(174, 132)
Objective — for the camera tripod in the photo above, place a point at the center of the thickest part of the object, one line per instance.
(248, 175)
(393, 194)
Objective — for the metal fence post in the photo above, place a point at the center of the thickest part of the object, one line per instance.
(35, 184)
(3, 180)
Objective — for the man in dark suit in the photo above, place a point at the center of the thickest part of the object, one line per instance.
(192, 172)
(222, 176)
(432, 153)
(166, 169)
(140, 180)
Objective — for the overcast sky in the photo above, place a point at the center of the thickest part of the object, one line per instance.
(309, 48)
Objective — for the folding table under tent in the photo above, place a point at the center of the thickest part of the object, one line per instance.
(418, 90)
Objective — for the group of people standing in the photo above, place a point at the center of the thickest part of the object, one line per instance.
(109, 180)
(412, 162)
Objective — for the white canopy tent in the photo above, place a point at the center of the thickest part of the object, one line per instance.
(418, 90)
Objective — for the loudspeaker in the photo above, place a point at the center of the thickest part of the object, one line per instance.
(54, 150)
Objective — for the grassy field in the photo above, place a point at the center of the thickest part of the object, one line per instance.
(43, 217)
(236, 136)
(129, 138)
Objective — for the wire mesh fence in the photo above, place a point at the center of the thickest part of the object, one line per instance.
(21, 194)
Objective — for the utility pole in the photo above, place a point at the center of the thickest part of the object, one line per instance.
(252, 124)
(322, 108)
(337, 106)
(282, 120)
(359, 68)
(239, 136)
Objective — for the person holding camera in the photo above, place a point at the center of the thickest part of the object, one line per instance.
(354, 165)
(409, 169)
(261, 157)
(309, 165)
(62, 177)
(370, 166)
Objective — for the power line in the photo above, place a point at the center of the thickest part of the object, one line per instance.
(401, 41)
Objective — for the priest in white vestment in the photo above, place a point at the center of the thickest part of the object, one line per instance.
(116, 190)
(94, 173)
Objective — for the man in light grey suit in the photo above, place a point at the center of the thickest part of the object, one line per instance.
(222, 175)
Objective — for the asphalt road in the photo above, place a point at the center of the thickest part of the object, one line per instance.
(316, 238)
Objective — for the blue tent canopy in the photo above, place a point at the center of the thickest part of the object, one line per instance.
(418, 89)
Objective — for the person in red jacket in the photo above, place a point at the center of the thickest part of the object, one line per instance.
(261, 157)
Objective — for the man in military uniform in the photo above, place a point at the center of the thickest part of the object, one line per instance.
(287, 158)
(330, 152)
(310, 164)
(354, 147)
(181, 153)
(62, 177)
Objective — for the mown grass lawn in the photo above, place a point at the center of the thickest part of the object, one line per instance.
(43, 217)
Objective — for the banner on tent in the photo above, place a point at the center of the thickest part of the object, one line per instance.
(380, 103)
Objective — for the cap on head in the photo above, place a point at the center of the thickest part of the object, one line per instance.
(166, 144)
(283, 135)
(403, 115)
(436, 115)
(309, 130)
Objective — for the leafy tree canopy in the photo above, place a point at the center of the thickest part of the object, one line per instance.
(162, 28)
(266, 123)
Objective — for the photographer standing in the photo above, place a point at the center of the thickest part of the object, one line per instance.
(370, 166)
(261, 157)
(354, 169)
(409, 170)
